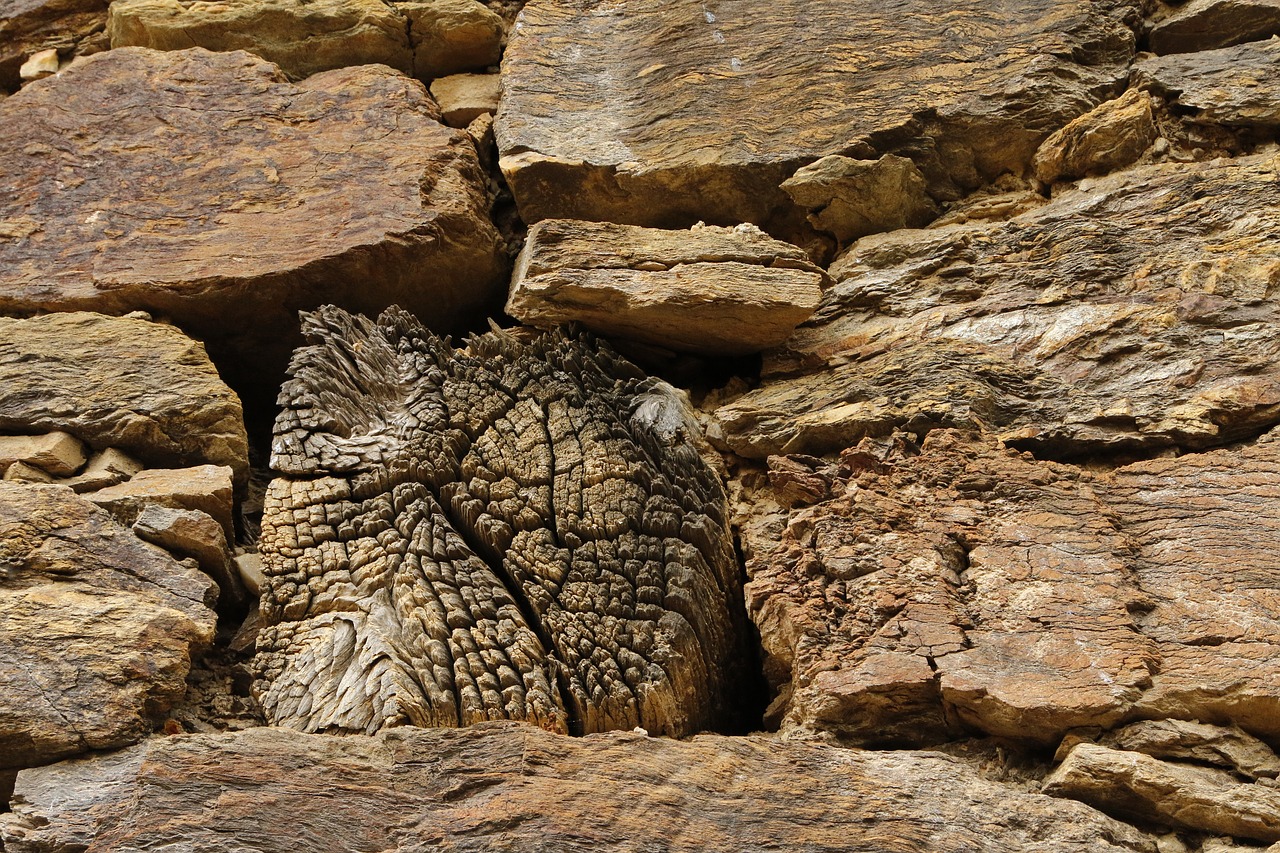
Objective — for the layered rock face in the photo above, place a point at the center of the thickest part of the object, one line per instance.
(879, 450)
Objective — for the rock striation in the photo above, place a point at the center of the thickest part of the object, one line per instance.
(664, 113)
(96, 627)
(1232, 87)
(346, 186)
(29, 27)
(713, 291)
(506, 786)
(503, 531)
(1129, 314)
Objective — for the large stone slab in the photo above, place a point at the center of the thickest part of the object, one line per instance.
(427, 38)
(515, 788)
(1234, 86)
(342, 188)
(96, 627)
(119, 382)
(30, 26)
(1132, 313)
(1208, 24)
(974, 588)
(664, 113)
(510, 531)
(715, 291)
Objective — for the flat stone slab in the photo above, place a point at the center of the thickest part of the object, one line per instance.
(228, 219)
(1233, 86)
(972, 587)
(1132, 313)
(715, 291)
(118, 382)
(664, 113)
(511, 787)
(96, 627)
(1208, 24)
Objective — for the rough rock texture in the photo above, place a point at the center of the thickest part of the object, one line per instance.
(853, 198)
(96, 628)
(664, 113)
(118, 382)
(1131, 784)
(514, 788)
(1111, 135)
(192, 533)
(970, 587)
(345, 186)
(1207, 24)
(1217, 746)
(58, 453)
(716, 291)
(204, 488)
(506, 531)
(304, 37)
(463, 98)
(30, 26)
(1234, 86)
(1135, 312)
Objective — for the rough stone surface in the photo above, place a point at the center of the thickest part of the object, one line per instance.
(853, 198)
(1111, 135)
(195, 534)
(514, 788)
(973, 588)
(1234, 86)
(96, 628)
(1133, 313)
(664, 113)
(717, 291)
(57, 453)
(40, 64)
(204, 488)
(24, 472)
(1207, 24)
(144, 388)
(105, 468)
(30, 26)
(451, 36)
(506, 531)
(463, 98)
(1131, 784)
(1183, 740)
(346, 187)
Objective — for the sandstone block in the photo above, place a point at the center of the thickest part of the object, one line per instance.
(203, 488)
(664, 113)
(40, 64)
(463, 98)
(106, 468)
(142, 388)
(1207, 24)
(56, 453)
(511, 531)
(1131, 784)
(195, 534)
(28, 27)
(1198, 743)
(1234, 86)
(970, 587)
(464, 790)
(1112, 135)
(715, 291)
(345, 185)
(96, 628)
(451, 36)
(22, 472)
(853, 198)
(1131, 313)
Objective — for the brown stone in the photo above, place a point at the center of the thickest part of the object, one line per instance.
(853, 198)
(143, 388)
(31, 26)
(23, 472)
(463, 98)
(56, 453)
(1234, 86)
(451, 36)
(715, 291)
(1112, 135)
(1207, 24)
(1184, 740)
(39, 65)
(96, 628)
(973, 588)
(515, 788)
(106, 468)
(204, 488)
(1131, 313)
(1133, 785)
(192, 533)
(664, 113)
(345, 187)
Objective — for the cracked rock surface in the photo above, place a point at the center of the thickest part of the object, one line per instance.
(504, 531)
